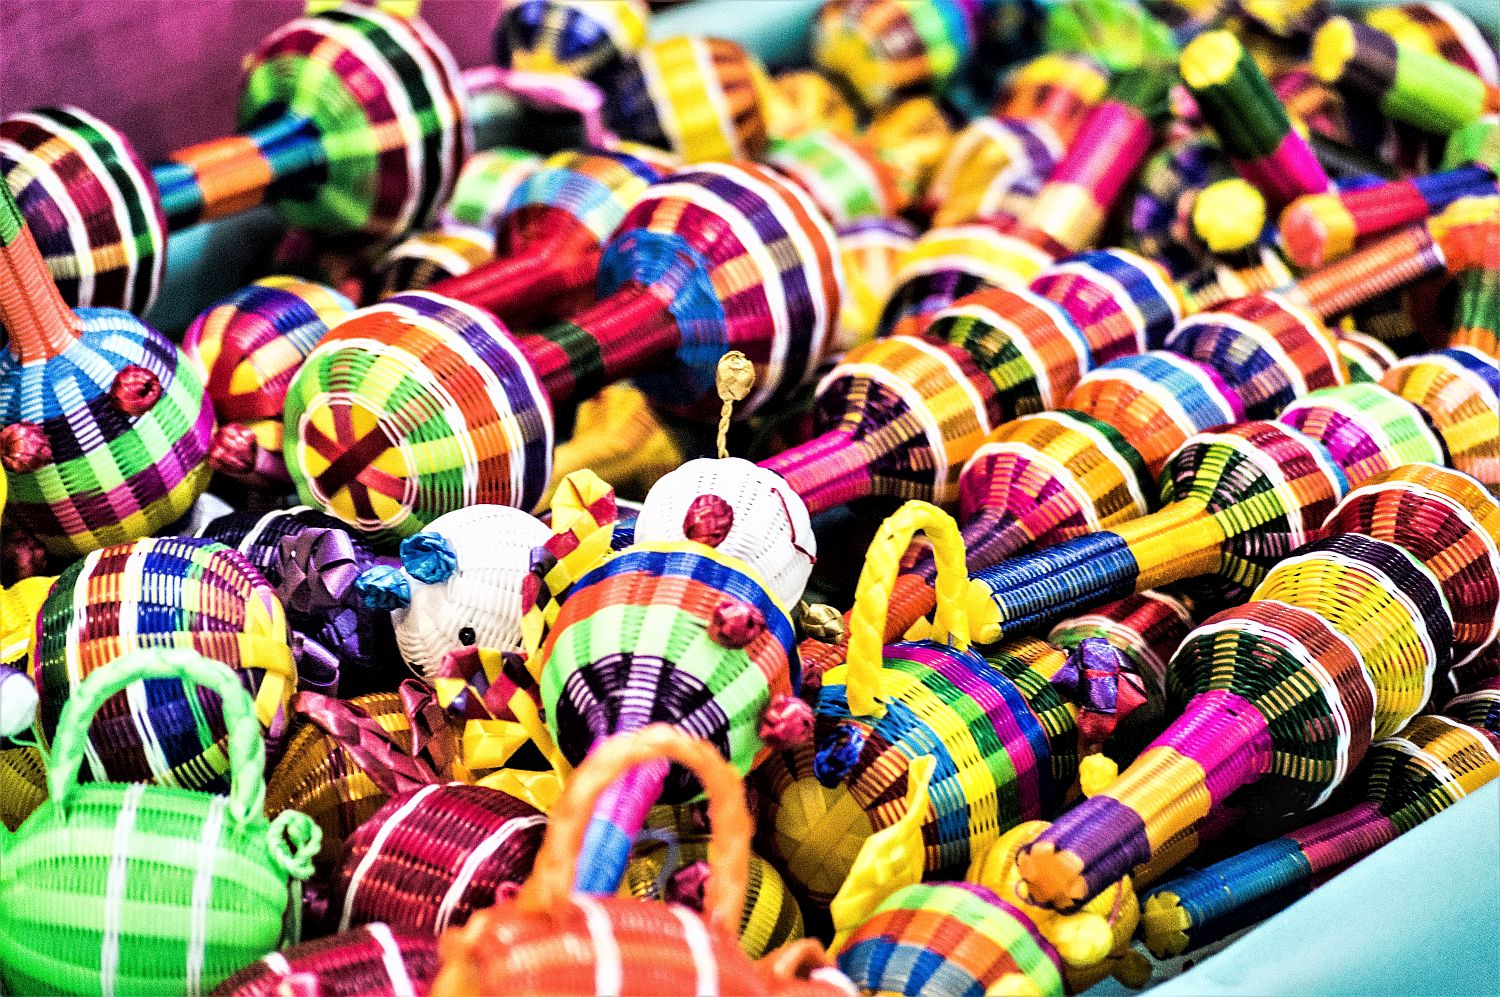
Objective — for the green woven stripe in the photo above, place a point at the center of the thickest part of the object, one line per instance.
(11, 220)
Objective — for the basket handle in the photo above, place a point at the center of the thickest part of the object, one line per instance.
(551, 881)
(872, 596)
(247, 748)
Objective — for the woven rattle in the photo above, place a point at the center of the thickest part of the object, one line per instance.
(159, 593)
(704, 99)
(872, 251)
(105, 424)
(351, 125)
(1442, 29)
(1416, 774)
(588, 40)
(198, 884)
(998, 162)
(465, 234)
(1358, 627)
(805, 100)
(560, 942)
(458, 584)
(362, 962)
(848, 178)
(246, 348)
(551, 234)
(883, 50)
(1460, 389)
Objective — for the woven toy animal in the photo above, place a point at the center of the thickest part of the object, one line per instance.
(883, 50)
(559, 942)
(246, 348)
(588, 40)
(662, 317)
(106, 427)
(459, 584)
(366, 961)
(351, 125)
(1359, 626)
(158, 593)
(1410, 777)
(198, 883)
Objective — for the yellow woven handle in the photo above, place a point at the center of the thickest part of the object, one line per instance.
(872, 597)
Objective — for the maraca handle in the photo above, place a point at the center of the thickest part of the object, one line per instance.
(626, 334)
(39, 323)
(618, 819)
(228, 175)
(825, 471)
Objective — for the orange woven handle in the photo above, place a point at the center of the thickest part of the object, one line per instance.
(551, 879)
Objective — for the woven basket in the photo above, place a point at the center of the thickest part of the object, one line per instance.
(430, 857)
(584, 38)
(166, 592)
(23, 784)
(886, 708)
(373, 960)
(546, 941)
(112, 888)
(883, 50)
(701, 98)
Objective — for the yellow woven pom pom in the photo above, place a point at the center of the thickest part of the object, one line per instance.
(1164, 925)
(1229, 215)
(1095, 773)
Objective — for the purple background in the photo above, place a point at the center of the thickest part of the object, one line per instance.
(167, 72)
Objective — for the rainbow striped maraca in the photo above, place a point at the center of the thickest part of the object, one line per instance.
(883, 50)
(106, 427)
(396, 403)
(1476, 319)
(1460, 389)
(1342, 643)
(351, 126)
(1410, 777)
(594, 40)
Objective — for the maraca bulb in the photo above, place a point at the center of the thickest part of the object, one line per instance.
(590, 40)
(1366, 357)
(1460, 389)
(887, 49)
(846, 178)
(873, 251)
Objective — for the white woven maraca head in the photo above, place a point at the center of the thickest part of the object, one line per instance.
(464, 573)
(743, 510)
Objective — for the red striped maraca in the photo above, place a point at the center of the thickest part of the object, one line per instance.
(351, 124)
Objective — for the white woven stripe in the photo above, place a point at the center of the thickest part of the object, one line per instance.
(607, 969)
(277, 963)
(114, 890)
(474, 859)
(28, 163)
(390, 957)
(705, 964)
(203, 888)
(363, 869)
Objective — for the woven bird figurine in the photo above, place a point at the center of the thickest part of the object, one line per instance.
(361, 153)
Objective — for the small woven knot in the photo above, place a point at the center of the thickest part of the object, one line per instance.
(708, 520)
(383, 587)
(686, 886)
(736, 623)
(135, 390)
(294, 838)
(1099, 678)
(838, 754)
(24, 447)
(428, 557)
(823, 623)
(22, 556)
(787, 722)
(234, 450)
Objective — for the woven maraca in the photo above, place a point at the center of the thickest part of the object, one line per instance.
(551, 235)
(163, 592)
(883, 50)
(588, 40)
(847, 178)
(352, 127)
(704, 99)
(199, 883)
(1460, 389)
(1442, 29)
(1476, 319)
(1413, 86)
(998, 163)
(560, 942)
(873, 251)
(900, 415)
(465, 234)
(1429, 766)
(246, 348)
(106, 427)
(1343, 642)
(371, 959)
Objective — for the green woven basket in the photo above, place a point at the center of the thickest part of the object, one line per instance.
(111, 888)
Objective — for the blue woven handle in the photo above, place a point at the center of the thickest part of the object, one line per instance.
(247, 748)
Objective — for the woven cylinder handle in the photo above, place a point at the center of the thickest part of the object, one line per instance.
(247, 748)
(872, 597)
(551, 881)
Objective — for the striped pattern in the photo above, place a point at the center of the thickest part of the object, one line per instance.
(1366, 429)
(91, 205)
(485, 186)
(164, 592)
(373, 958)
(429, 858)
(1121, 302)
(897, 417)
(1366, 357)
(1460, 389)
(724, 256)
(1476, 319)
(356, 114)
(413, 408)
(419, 261)
(701, 98)
(950, 938)
(846, 178)
(589, 39)
(872, 252)
(1234, 503)
(887, 49)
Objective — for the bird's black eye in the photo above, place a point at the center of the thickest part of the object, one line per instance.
(467, 637)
